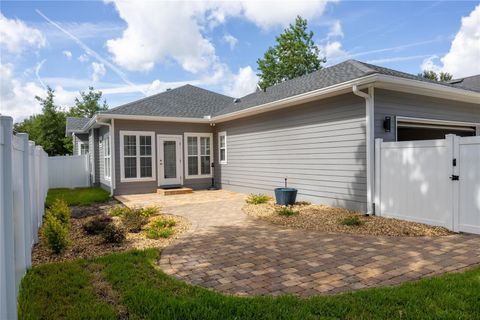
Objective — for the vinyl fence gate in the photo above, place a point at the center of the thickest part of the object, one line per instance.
(433, 181)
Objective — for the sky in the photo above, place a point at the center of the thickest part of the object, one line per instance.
(133, 49)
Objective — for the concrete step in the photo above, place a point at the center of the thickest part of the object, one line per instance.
(171, 192)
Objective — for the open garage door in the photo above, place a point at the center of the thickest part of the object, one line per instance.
(411, 129)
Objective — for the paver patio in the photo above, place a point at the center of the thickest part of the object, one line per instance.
(230, 252)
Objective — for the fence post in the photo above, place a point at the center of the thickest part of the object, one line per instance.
(378, 178)
(33, 192)
(8, 299)
(26, 198)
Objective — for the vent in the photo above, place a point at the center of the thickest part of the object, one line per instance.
(236, 100)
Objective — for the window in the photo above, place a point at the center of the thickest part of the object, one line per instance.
(198, 148)
(222, 147)
(107, 171)
(137, 155)
(82, 148)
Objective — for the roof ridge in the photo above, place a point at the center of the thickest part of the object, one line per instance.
(361, 66)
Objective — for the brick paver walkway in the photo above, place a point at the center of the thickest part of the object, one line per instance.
(232, 253)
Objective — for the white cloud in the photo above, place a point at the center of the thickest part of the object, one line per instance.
(67, 54)
(98, 71)
(149, 38)
(332, 51)
(464, 55)
(231, 40)
(17, 99)
(15, 35)
(335, 30)
(83, 58)
(242, 83)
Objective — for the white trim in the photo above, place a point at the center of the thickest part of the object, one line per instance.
(80, 144)
(153, 118)
(107, 159)
(222, 134)
(137, 156)
(430, 121)
(185, 146)
(179, 155)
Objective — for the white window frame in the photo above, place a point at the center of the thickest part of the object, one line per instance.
(185, 146)
(80, 144)
(107, 157)
(137, 156)
(222, 134)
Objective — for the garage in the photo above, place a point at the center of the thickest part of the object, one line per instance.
(409, 129)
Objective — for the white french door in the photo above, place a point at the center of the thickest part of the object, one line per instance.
(170, 166)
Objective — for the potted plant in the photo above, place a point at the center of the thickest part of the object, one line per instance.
(285, 196)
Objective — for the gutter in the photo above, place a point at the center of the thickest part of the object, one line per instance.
(369, 121)
(112, 155)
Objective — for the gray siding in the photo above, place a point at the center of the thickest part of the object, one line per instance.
(159, 128)
(102, 132)
(79, 137)
(319, 147)
(391, 103)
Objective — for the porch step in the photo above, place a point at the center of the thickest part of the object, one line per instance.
(171, 192)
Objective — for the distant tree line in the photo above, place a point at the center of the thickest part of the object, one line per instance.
(48, 128)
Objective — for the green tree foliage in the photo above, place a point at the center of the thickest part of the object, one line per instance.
(88, 104)
(295, 54)
(432, 75)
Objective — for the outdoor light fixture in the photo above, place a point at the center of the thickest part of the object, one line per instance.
(387, 124)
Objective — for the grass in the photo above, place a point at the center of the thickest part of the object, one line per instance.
(258, 198)
(77, 196)
(352, 221)
(63, 290)
(286, 211)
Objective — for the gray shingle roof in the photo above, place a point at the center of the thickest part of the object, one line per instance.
(193, 102)
(76, 124)
(186, 101)
(468, 83)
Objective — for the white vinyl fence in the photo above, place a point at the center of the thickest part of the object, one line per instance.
(68, 171)
(432, 181)
(23, 189)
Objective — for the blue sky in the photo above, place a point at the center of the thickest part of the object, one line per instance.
(132, 49)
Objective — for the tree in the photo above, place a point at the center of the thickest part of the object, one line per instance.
(432, 75)
(88, 104)
(295, 54)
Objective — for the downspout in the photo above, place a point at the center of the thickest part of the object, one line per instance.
(112, 153)
(369, 123)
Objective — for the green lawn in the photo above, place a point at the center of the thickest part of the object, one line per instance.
(77, 196)
(142, 291)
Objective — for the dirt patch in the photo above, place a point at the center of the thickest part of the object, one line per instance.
(84, 245)
(329, 219)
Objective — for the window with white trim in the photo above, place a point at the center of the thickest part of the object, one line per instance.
(107, 171)
(222, 147)
(198, 150)
(137, 155)
(82, 148)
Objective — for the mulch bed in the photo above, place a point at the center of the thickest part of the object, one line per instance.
(328, 219)
(84, 245)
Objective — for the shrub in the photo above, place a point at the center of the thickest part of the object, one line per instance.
(114, 233)
(97, 225)
(118, 211)
(60, 210)
(161, 228)
(286, 211)
(258, 198)
(55, 233)
(134, 220)
(148, 211)
(352, 221)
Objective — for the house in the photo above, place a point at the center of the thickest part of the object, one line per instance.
(317, 130)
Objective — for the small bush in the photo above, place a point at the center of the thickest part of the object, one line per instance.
(60, 210)
(161, 228)
(55, 234)
(164, 223)
(258, 198)
(97, 225)
(148, 211)
(134, 220)
(352, 221)
(286, 211)
(114, 233)
(118, 211)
